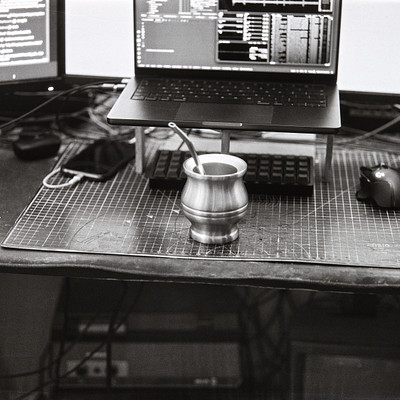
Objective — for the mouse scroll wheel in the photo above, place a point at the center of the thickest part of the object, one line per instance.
(365, 173)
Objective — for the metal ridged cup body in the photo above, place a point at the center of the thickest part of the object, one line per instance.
(214, 204)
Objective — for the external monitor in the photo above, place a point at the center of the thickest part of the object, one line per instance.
(31, 51)
(369, 55)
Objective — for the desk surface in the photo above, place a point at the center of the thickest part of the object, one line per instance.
(21, 180)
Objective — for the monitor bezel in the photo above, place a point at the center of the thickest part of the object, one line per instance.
(267, 76)
(51, 82)
(360, 97)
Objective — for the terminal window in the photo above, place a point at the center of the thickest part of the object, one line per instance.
(24, 31)
(28, 40)
(235, 34)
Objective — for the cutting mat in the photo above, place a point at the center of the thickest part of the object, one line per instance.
(123, 216)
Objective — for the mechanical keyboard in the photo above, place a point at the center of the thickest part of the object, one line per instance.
(266, 173)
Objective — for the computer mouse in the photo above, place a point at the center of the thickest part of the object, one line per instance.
(380, 184)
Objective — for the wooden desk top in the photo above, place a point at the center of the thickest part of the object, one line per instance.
(21, 180)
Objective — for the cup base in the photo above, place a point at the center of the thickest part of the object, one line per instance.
(208, 238)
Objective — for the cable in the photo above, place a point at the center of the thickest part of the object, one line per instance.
(367, 106)
(272, 350)
(67, 290)
(90, 355)
(374, 132)
(77, 178)
(264, 297)
(257, 357)
(93, 85)
(93, 118)
(47, 367)
(110, 335)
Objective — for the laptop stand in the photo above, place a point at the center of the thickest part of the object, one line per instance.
(225, 145)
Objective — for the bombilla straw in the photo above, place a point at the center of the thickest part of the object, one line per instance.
(189, 144)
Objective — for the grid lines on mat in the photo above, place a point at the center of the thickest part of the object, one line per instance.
(124, 216)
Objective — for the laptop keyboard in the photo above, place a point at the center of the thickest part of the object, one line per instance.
(229, 92)
(266, 173)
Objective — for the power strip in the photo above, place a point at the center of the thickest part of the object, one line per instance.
(97, 369)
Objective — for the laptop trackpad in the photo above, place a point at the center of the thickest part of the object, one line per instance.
(221, 114)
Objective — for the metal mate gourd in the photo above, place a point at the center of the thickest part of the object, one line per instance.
(216, 201)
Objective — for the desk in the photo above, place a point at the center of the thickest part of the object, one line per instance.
(20, 180)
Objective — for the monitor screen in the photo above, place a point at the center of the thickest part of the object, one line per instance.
(99, 38)
(369, 55)
(29, 44)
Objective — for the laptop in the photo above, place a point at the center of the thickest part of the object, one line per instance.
(231, 64)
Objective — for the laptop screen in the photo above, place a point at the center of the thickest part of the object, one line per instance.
(294, 37)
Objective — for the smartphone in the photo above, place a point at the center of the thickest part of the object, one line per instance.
(101, 160)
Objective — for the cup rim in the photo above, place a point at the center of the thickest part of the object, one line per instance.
(237, 162)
